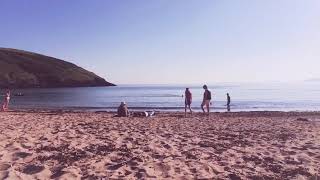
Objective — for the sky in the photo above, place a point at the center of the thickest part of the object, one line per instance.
(171, 41)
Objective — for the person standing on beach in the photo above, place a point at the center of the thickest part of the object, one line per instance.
(187, 101)
(5, 105)
(228, 101)
(206, 99)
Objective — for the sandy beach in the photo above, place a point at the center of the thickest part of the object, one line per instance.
(94, 145)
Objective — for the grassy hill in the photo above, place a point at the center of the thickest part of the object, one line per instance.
(22, 69)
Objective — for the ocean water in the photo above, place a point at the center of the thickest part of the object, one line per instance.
(244, 97)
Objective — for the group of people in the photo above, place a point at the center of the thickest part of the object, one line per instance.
(124, 112)
(6, 101)
(206, 102)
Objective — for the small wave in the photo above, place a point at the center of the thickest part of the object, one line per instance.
(151, 95)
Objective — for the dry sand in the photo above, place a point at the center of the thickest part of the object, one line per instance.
(84, 145)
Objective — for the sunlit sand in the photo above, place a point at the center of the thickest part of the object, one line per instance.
(255, 145)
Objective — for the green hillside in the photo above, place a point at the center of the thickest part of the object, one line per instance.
(22, 69)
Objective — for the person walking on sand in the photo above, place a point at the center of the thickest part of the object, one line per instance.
(228, 101)
(187, 101)
(206, 99)
(6, 100)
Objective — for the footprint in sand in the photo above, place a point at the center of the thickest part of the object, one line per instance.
(57, 172)
(4, 166)
(161, 167)
(158, 156)
(286, 153)
(292, 161)
(140, 174)
(234, 177)
(32, 169)
(177, 170)
(21, 155)
(165, 145)
(114, 166)
(26, 145)
(311, 153)
(4, 174)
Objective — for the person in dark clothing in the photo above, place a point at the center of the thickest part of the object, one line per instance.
(206, 99)
(123, 110)
(187, 101)
(228, 101)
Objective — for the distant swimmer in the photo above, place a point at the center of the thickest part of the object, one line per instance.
(6, 101)
(228, 101)
(19, 94)
(206, 99)
(187, 101)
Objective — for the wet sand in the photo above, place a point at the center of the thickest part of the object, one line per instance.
(88, 145)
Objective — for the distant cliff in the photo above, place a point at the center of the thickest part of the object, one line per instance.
(22, 69)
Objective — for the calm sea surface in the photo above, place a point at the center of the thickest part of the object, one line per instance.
(245, 97)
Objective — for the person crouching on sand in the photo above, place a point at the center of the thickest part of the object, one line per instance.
(123, 110)
(6, 101)
(187, 101)
(206, 99)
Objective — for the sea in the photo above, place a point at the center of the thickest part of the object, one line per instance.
(303, 96)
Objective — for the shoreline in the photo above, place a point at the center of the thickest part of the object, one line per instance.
(156, 109)
(181, 111)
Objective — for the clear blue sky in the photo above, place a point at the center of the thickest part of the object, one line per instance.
(171, 41)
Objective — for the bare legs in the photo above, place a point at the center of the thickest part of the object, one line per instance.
(5, 105)
(185, 110)
(207, 104)
(202, 107)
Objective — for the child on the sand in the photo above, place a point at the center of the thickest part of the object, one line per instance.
(6, 100)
